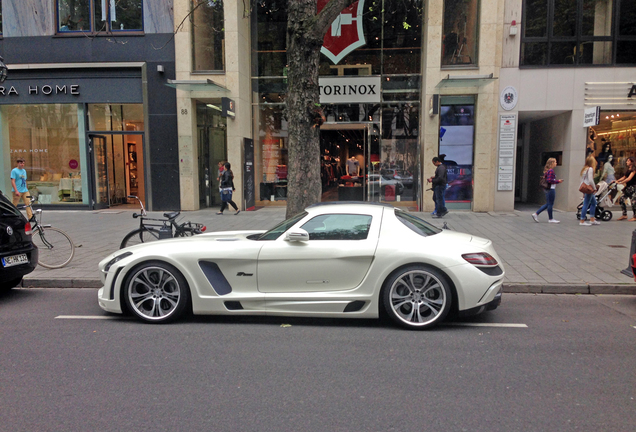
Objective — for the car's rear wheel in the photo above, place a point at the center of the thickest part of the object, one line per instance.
(156, 292)
(417, 297)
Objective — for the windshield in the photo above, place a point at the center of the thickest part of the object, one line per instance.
(7, 209)
(275, 232)
(416, 224)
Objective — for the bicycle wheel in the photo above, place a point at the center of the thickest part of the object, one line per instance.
(140, 235)
(56, 249)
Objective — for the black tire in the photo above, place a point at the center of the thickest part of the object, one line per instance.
(421, 286)
(606, 216)
(139, 236)
(6, 286)
(156, 292)
(55, 247)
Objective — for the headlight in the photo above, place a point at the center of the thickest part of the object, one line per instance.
(117, 258)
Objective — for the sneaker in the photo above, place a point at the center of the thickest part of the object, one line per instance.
(444, 213)
(595, 222)
(434, 213)
(622, 217)
(553, 221)
(237, 212)
(220, 213)
(535, 217)
(585, 223)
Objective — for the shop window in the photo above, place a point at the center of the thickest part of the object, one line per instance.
(338, 227)
(208, 35)
(568, 32)
(461, 21)
(116, 118)
(96, 16)
(48, 138)
(626, 45)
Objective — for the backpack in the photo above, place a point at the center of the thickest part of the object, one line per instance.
(543, 182)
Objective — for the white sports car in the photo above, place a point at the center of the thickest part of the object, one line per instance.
(357, 260)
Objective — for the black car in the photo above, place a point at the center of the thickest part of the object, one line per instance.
(18, 254)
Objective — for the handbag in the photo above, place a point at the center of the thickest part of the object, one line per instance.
(226, 194)
(586, 188)
(543, 182)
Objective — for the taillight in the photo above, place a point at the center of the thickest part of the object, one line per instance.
(27, 228)
(480, 258)
(203, 228)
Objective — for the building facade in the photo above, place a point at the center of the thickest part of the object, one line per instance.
(86, 102)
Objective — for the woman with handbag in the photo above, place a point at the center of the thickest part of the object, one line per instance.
(227, 188)
(549, 189)
(588, 188)
(629, 180)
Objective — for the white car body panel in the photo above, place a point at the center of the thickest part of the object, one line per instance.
(281, 277)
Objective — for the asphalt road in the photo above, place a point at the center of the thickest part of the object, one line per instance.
(571, 368)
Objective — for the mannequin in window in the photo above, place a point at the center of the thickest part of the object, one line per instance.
(353, 167)
(605, 153)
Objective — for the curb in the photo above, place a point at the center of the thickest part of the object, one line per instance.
(518, 288)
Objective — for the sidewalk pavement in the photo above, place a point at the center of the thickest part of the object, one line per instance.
(538, 257)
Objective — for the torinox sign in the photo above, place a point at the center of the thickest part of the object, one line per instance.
(347, 90)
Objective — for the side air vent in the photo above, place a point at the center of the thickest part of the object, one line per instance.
(216, 278)
(233, 305)
(354, 306)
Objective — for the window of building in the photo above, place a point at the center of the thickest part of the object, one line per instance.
(95, 16)
(460, 36)
(208, 35)
(1, 30)
(578, 32)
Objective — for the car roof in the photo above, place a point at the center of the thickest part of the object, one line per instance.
(358, 205)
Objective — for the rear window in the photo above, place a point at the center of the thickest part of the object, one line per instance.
(8, 209)
(416, 224)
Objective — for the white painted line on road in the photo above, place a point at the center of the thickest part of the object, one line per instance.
(87, 317)
(488, 325)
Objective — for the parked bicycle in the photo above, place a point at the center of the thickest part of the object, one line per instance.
(56, 249)
(157, 229)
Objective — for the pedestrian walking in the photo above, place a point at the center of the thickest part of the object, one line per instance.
(19, 183)
(629, 181)
(550, 191)
(227, 188)
(589, 192)
(439, 186)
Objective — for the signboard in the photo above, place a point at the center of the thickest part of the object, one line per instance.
(508, 98)
(507, 134)
(346, 32)
(249, 188)
(349, 90)
(227, 108)
(592, 116)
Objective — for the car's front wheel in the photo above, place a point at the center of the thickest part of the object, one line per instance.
(417, 297)
(156, 292)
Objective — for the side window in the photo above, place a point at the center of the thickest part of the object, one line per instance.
(338, 227)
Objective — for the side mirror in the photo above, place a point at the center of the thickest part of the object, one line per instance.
(297, 235)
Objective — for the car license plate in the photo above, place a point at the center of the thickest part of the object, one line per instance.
(15, 260)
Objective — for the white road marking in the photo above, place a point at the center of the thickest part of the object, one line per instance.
(487, 325)
(87, 317)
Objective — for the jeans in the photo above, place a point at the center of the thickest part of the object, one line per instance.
(588, 201)
(440, 203)
(549, 202)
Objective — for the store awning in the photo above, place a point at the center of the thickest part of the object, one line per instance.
(207, 86)
(466, 81)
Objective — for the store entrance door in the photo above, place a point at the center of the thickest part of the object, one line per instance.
(117, 168)
(345, 162)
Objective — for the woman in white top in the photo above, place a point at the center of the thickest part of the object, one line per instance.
(589, 200)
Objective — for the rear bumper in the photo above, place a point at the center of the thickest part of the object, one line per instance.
(491, 305)
(18, 271)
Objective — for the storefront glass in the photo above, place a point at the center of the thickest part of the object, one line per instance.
(48, 138)
(613, 141)
(382, 137)
(456, 141)
(461, 22)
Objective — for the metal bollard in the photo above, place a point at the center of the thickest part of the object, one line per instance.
(632, 251)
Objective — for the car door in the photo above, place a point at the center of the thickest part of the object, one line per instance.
(336, 257)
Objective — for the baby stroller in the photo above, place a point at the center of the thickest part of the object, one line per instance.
(603, 199)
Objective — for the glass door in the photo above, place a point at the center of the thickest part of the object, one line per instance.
(99, 179)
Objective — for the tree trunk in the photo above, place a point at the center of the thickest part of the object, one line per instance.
(305, 32)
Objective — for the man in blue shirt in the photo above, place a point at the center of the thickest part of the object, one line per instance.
(19, 183)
